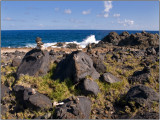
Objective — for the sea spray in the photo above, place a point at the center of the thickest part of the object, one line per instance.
(83, 44)
(89, 39)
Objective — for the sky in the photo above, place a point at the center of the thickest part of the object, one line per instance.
(84, 15)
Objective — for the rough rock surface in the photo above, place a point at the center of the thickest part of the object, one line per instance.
(4, 90)
(124, 34)
(140, 76)
(72, 45)
(98, 63)
(109, 78)
(76, 66)
(37, 99)
(16, 62)
(144, 39)
(142, 95)
(74, 108)
(112, 37)
(89, 87)
(34, 63)
(31, 97)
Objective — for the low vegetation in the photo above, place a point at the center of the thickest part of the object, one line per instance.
(110, 93)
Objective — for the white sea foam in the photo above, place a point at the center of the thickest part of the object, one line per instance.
(89, 39)
(83, 44)
(32, 45)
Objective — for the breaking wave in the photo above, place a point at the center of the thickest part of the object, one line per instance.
(83, 44)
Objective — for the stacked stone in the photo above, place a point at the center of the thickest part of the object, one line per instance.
(40, 44)
(89, 48)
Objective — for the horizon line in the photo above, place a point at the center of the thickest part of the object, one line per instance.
(81, 29)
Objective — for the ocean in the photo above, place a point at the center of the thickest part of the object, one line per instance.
(26, 38)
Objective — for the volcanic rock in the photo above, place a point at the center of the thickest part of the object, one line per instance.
(16, 62)
(37, 99)
(28, 97)
(98, 62)
(142, 95)
(140, 39)
(109, 78)
(4, 90)
(74, 108)
(89, 87)
(72, 45)
(112, 37)
(76, 66)
(34, 63)
(140, 76)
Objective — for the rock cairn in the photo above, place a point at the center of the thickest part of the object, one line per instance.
(89, 48)
(40, 44)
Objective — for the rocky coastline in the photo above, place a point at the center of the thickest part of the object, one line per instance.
(117, 78)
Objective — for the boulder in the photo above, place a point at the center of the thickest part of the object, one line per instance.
(60, 44)
(112, 37)
(125, 34)
(109, 78)
(74, 108)
(4, 90)
(140, 76)
(99, 65)
(140, 39)
(37, 99)
(76, 66)
(98, 62)
(16, 62)
(89, 87)
(71, 45)
(34, 63)
(28, 97)
(141, 95)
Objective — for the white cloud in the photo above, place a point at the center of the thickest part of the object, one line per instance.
(86, 12)
(126, 22)
(7, 19)
(116, 15)
(67, 11)
(56, 9)
(107, 7)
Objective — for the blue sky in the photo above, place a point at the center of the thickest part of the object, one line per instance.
(98, 15)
